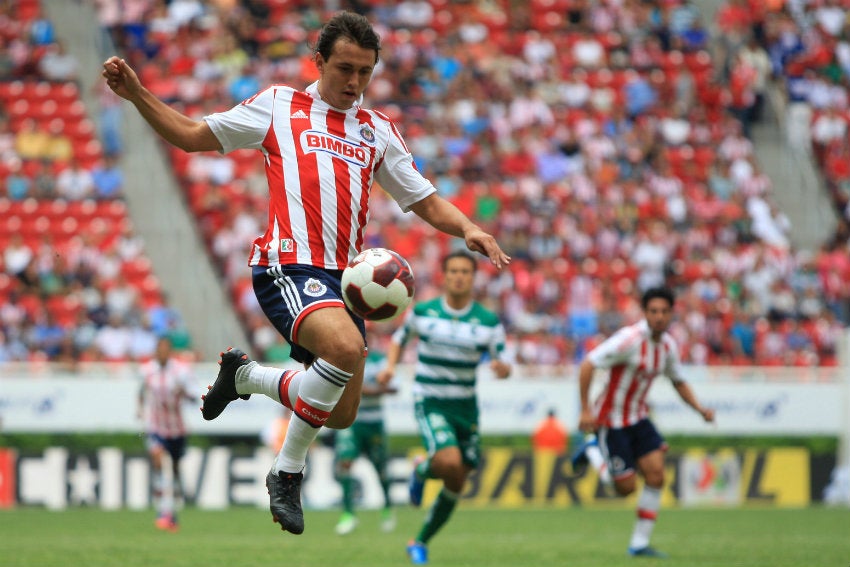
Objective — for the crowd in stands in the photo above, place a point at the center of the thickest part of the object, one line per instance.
(75, 284)
(605, 143)
(809, 47)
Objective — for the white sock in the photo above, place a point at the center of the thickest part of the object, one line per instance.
(166, 495)
(648, 505)
(598, 462)
(321, 387)
(252, 378)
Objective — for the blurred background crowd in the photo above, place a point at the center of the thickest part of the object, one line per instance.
(607, 144)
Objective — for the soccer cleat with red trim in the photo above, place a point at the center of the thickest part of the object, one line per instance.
(285, 500)
(223, 390)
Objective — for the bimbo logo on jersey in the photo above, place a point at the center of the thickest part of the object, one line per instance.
(316, 141)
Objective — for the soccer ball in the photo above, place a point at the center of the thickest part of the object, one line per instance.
(377, 284)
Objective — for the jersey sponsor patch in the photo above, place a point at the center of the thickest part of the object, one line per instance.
(315, 288)
(313, 141)
(287, 245)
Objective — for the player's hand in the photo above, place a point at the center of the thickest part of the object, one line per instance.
(384, 376)
(121, 78)
(707, 414)
(479, 241)
(501, 369)
(587, 421)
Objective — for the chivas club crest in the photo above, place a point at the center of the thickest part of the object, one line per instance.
(367, 133)
(315, 288)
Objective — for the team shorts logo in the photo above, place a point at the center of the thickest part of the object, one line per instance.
(618, 465)
(315, 288)
(367, 133)
(313, 141)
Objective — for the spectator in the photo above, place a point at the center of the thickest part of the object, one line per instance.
(550, 435)
(44, 181)
(59, 146)
(57, 64)
(75, 183)
(31, 141)
(108, 179)
(113, 340)
(18, 185)
(17, 256)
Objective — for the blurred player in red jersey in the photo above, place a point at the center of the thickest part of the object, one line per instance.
(322, 152)
(625, 437)
(166, 383)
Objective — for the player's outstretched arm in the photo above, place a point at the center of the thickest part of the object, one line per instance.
(689, 398)
(177, 129)
(388, 371)
(447, 218)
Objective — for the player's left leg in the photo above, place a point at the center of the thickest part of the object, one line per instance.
(650, 449)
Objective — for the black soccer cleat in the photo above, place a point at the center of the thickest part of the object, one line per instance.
(285, 500)
(223, 390)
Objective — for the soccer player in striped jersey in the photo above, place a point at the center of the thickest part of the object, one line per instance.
(322, 151)
(166, 383)
(455, 334)
(628, 440)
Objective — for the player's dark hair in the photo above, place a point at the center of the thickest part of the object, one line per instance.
(351, 26)
(460, 254)
(657, 292)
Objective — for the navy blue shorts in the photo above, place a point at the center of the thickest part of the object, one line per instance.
(174, 446)
(289, 293)
(624, 446)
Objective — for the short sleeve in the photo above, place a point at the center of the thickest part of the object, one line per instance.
(246, 125)
(398, 176)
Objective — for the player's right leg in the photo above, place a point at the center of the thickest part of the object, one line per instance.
(339, 347)
(649, 450)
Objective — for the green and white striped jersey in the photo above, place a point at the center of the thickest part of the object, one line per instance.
(371, 407)
(451, 345)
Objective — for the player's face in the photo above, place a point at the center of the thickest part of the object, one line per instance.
(345, 74)
(459, 277)
(658, 313)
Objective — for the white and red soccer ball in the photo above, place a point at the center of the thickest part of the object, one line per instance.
(377, 284)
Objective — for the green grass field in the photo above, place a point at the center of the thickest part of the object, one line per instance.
(475, 537)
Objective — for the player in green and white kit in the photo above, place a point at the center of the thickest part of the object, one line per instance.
(455, 335)
(367, 437)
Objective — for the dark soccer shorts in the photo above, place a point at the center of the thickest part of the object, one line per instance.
(624, 446)
(287, 294)
(174, 446)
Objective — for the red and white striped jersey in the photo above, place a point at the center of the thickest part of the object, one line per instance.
(634, 360)
(320, 163)
(164, 391)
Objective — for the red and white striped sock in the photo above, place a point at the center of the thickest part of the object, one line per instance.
(320, 389)
(647, 511)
